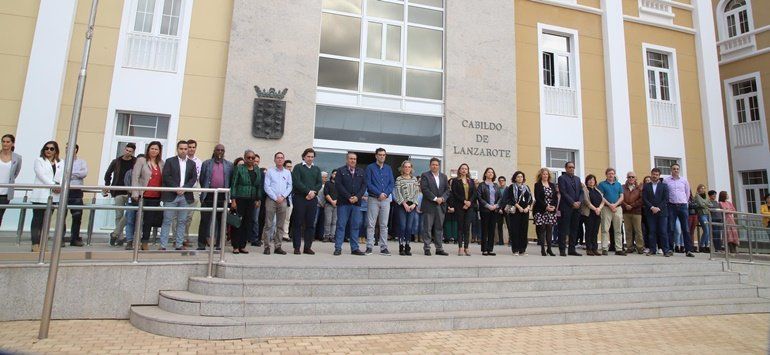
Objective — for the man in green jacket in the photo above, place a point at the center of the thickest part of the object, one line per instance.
(306, 182)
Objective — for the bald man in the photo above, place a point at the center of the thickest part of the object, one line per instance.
(215, 173)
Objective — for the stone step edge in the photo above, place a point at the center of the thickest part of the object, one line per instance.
(155, 313)
(471, 266)
(188, 296)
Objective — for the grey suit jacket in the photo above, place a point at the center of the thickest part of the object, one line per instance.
(430, 191)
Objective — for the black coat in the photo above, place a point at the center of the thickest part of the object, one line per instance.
(457, 195)
(540, 204)
(171, 179)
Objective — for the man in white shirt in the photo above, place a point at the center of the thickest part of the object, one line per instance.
(178, 171)
(192, 147)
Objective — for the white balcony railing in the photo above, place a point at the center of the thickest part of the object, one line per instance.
(663, 114)
(658, 6)
(747, 134)
(560, 101)
(152, 52)
(737, 43)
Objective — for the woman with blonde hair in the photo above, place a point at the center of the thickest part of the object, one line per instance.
(405, 194)
(544, 210)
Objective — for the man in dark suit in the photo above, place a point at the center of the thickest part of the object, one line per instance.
(571, 193)
(655, 196)
(178, 171)
(435, 192)
(350, 183)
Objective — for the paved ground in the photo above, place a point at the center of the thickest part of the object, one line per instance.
(732, 334)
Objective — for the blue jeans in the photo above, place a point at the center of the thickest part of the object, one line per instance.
(169, 217)
(345, 213)
(677, 233)
(678, 211)
(704, 224)
(406, 222)
(130, 225)
(657, 225)
(255, 227)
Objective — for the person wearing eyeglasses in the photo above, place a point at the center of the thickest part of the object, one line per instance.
(48, 171)
(246, 190)
(571, 193)
(632, 214)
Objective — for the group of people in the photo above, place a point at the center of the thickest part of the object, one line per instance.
(286, 202)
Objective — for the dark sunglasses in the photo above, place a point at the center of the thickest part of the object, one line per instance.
(251, 158)
(630, 177)
(50, 148)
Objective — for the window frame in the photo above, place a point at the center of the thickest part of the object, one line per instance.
(666, 170)
(555, 56)
(157, 18)
(673, 81)
(745, 100)
(735, 14)
(559, 170)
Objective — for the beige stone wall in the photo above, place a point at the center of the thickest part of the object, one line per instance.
(689, 96)
(17, 24)
(589, 27)
(480, 83)
(200, 114)
(273, 43)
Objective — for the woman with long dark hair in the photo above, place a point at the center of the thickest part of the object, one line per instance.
(591, 208)
(10, 166)
(518, 205)
(544, 210)
(148, 171)
(48, 171)
(489, 197)
(462, 200)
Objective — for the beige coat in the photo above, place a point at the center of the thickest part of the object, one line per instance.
(141, 175)
(585, 204)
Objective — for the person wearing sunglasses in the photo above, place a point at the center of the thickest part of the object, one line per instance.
(48, 171)
(246, 190)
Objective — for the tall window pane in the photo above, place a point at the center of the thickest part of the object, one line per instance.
(743, 18)
(652, 86)
(340, 74)
(340, 35)
(144, 13)
(424, 48)
(731, 30)
(422, 83)
(170, 24)
(382, 79)
(393, 47)
(740, 108)
(374, 40)
(754, 108)
(426, 16)
(382, 9)
(548, 72)
(559, 43)
(349, 6)
(664, 91)
(564, 71)
(434, 3)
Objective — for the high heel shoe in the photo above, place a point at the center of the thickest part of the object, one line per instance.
(466, 252)
(460, 252)
(550, 253)
(542, 250)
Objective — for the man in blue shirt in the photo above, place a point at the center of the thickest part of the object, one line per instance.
(278, 187)
(612, 213)
(379, 184)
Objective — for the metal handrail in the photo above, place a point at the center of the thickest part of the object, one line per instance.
(723, 232)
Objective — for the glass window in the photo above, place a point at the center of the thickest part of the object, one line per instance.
(144, 13)
(423, 83)
(327, 161)
(381, 127)
(754, 177)
(393, 45)
(336, 73)
(383, 9)
(754, 108)
(340, 35)
(170, 24)
(349, 6)
(563, 71)
(744, 87)
(383, 79)
(740, 107)
(434, 3)
(556, 158)
(141, 125)
(731, 29)
(555, 42)
(743, 18)
(374, 40)
(664, 164)
(664, 93)
(652, 84)
(426, 16)
(658, 60)
(425, 48)
(548, 72)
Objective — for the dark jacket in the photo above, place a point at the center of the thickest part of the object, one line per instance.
(430, 191)
(207, 169)
(513, 197)
(457, 194)
(243, 187)
(540, 203)
(482, 195)
(348, 185)
(115, 175)
(657, 199)
(569, 192)
(171, 179)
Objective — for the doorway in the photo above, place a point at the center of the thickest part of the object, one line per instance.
(394, 160)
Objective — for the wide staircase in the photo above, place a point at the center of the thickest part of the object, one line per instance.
(250, 301)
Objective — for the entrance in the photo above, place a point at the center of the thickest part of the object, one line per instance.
(364, 159)
(330, 159)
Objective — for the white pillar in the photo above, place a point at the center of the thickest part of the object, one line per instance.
(616, 85)
(39, 112)
(712, 112)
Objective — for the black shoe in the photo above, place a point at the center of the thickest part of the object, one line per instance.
(612, 248)
(427, 252)
(690, 255)
(337, 252)
(120, 242)
(267, 251)
(113, 238)
(279, 251)
(549, 252)
(400, 250)
(368, 251)
(308, 251)
(200, 248)
(296, 251)
(407, 250)
(574, 253)
(76, 243)
(385, 252)
(489, 253)
(441, 252)
(542, 251)
(620, 253)
(357, 252)
(562, 253)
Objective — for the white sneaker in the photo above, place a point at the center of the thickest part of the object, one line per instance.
(516, 254)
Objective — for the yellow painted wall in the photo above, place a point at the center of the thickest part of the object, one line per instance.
(589, 27)
(682, 17)
(760, 10)
(689, 96)
(17, 24)
(631, 7)
(592, 3)
(204, 81)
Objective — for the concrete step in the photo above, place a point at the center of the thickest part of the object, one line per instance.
(406, 271)
(155, 320)
(379, 287)
(188, 303)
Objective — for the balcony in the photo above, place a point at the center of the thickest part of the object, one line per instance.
(735, 45)
(151, 52)
(560, 101)
(663, 114)
(657, 11)
(747, 134)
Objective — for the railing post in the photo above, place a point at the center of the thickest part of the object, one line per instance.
(723, 236)
(711, 236)
(138, 231)
(22, 217)
(223, 227)
(44, 230)
(749, 229)
(91, 218)
(212, 234)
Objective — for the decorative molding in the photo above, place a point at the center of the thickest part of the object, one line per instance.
(588, 9)
(745, 56)
(270, 94)
(683, 29)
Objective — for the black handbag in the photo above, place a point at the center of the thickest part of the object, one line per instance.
(233, 219)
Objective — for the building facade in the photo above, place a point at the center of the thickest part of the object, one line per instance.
(743, 28)
(515, 85)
